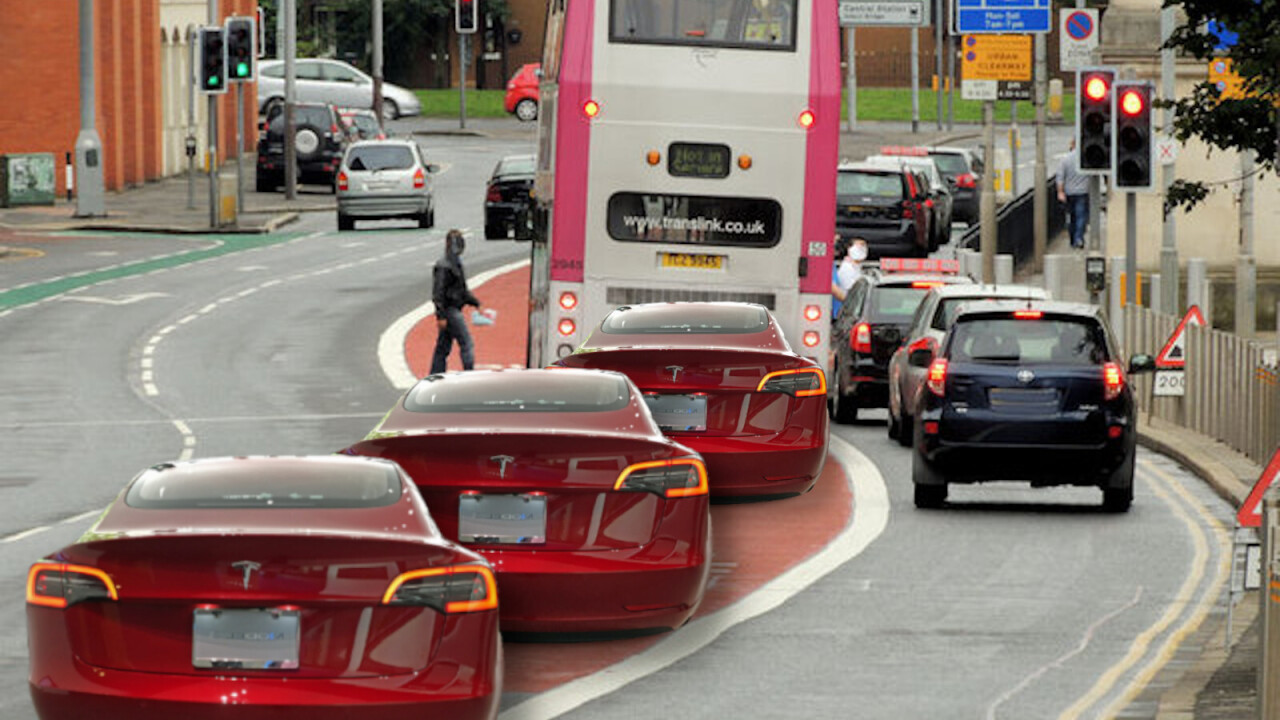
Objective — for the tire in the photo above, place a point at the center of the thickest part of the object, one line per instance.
(390, 111)
(1117, 494)
(346, 222)
(893, 427)
(431, 216)
(527, 110)
(930, 488)
(306, 142)
(424, 220)
(495, 232)
(270, 105)
(846, 412)
(906, 426)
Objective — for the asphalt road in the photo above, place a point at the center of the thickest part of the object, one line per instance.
(1010, 603)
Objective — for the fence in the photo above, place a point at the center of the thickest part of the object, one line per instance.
(1231, 392)
(1015, 224)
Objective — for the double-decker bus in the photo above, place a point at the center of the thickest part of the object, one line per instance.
(687, 150)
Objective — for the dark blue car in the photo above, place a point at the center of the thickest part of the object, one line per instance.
(1027, 391)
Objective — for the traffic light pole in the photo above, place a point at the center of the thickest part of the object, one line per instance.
(1130, 248)
(1040, 200)
(377, 61)
(239, 150)
(290, 96)
(214, 216)
(987, 202)
(462, 80)
(1169, 243)
(90, 196)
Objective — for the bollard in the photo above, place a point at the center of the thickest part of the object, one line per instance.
(1153, 293)
(1004, 269)
(1055, 99)
(1002, 174)
(970, 263)
(1269, 599)
(1053, 275)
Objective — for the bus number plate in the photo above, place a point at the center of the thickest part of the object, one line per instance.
(697, 262)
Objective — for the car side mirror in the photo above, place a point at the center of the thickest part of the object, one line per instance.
(433, 168)
(920, 357)
(1141, 364)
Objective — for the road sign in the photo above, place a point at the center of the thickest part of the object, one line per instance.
(1174, 353)
(1002, 16)
(1170, 383)
(908, 13)
(1166, 150)
(996, 67)
(1250, 514)
(1078, 37)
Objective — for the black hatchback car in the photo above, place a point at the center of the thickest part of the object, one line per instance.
(1026, 391)
(320, 139)
(872, 323)
(507, 194)
(886, 206)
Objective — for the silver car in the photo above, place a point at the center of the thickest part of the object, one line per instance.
(385, 179)
(333, 82)
(932, 320)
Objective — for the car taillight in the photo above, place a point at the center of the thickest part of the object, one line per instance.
(59, 585)
(333, 130)
(804, 382)
(929, 203)
(681, 477)
(342, 181)
(860, 338)
(937, 377)
(420, 178)
(1112, 381)
(812, 313)
(967, 180)
(908, 210)
(493, 194)
(458, 589)
(568, 300)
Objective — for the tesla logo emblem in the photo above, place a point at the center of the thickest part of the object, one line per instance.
(675, 371)
(247, 567)
(1026, 376)
(502, 461)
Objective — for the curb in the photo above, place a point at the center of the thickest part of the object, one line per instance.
(460, 132)
(268, 226)
(1215, 474)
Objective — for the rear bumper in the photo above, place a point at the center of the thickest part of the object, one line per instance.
(382, 205)
(1040, 463)
(787, 463)
(867, 383)
(966, 207)
(654, 587)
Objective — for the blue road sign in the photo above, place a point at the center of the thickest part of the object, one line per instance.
(1003, 16)
(1079, 26)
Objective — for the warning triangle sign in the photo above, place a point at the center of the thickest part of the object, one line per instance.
(1250, 514)
(1174, 354)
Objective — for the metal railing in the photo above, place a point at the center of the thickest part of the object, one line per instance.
(1231, 390)
(1015, 225)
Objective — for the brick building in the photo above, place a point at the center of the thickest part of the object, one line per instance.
(141, 71)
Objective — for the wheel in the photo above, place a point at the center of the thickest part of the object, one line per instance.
(846, 411)
(893, 426)
(495, 232)
(930, 487)
(1117, 494)
(527, 110)
(905, 428)
(431, 216)
(424, 220)
(390, 111)
(346, 222)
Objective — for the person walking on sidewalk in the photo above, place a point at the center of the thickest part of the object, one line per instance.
(450, 294)
(1073, 189)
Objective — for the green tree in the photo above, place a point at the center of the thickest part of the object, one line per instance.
(1245, 124)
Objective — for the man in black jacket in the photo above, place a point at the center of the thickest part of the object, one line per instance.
(450, 294)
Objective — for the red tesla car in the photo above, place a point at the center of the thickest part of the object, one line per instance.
(721, 379)
(593, 520)
(286, 587)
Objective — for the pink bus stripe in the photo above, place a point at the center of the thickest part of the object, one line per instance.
(573, 144)
(822, 146)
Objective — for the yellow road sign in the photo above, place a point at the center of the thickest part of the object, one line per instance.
(996, 57)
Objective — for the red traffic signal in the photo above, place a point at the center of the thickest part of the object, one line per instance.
(466, 16)
(1132, 102)
(1096, 88)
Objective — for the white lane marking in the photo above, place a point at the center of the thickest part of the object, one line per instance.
(1184, 598)
(24, 534)
(870, 517)
(82, 516)
(391, 344)
(222, 419)
(122, 300)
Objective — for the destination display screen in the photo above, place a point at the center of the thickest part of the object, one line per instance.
(694, 219)
(700, 160)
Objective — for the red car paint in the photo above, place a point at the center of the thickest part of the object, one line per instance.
(612, 560)
(133, 657)
(524, 84)
(755, 443)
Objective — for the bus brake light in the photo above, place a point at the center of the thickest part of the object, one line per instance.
(567, 327)
(807, 119)
(812, 338)
(812, 313)
(590, 108)
(568, 300)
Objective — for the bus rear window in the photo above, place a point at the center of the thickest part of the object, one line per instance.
(550, 393)
(748, 24)
(695, 220)
(687, 319)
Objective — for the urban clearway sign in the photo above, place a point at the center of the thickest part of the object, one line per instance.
(1077, 38)
(995, 67)
(908, 13)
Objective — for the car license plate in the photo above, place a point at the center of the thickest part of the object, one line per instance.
(509, 519)
(265, 639)
(689, 260)
(679, 413)
(380, 186)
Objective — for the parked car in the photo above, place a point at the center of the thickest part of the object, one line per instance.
(320, 139)
(963, 171)
(940, 201)
(507, 195)
(334, 82)
(593, 520)
(521, 99)
(385, 179)
(872, 322)
(721, 379)
(884, 206)
(363, 123)
(932, 320)
(1026, 391)
(316, 585)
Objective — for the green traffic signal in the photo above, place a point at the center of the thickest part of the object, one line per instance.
(213, 81)
(242, 69)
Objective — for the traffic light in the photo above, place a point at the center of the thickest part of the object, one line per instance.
(466, 16)
(212, 71)
(1095, 102)
(1133, 136)
(241, 53)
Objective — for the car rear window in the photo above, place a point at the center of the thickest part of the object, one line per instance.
(570, 392)
(240, 484)
(1060, 341)
(950, 163)
(314, 116)
(895, 304)
(380, 157)
(945, 314)
(687, 320)
(882, 185)
(515, 166)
